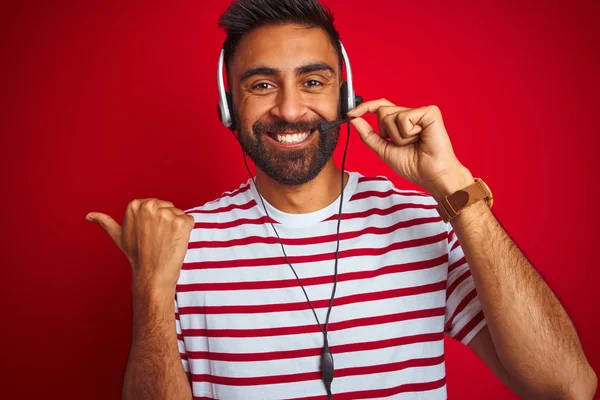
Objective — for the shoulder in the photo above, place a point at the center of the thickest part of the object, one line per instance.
(378, 201)
(381, 187)
(239, 198)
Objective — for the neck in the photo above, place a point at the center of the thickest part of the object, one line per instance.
(305, 198)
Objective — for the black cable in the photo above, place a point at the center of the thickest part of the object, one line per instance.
(326, 352)
(337, 249)
(281, 243)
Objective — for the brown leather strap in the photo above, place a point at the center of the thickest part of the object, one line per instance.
(452, 204)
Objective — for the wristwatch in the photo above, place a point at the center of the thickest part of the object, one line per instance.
(454, 203)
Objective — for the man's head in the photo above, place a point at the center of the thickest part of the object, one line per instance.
(283, 61)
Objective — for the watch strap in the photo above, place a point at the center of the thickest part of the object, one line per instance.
(454, 203)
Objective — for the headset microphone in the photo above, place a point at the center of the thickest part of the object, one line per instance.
(327, 126)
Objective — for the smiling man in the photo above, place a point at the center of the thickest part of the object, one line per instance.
(290, 287)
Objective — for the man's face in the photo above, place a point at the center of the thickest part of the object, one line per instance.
(285, 81)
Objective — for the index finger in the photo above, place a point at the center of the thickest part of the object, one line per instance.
(371, 107)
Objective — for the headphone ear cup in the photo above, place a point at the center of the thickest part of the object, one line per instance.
(231, 114)
(344, 99)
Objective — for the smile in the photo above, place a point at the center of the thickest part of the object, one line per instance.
(290, 138)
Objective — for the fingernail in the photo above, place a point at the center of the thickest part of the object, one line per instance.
(89, 218)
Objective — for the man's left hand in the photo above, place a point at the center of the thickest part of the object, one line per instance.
(415, 144)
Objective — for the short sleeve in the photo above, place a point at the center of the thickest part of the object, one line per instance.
(180, 342)
(464, 316)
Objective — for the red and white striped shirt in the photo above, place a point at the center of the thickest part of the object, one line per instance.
(245, 330)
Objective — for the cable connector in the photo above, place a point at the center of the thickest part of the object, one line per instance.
(327, 369)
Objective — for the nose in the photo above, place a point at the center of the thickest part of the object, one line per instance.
(290, 106)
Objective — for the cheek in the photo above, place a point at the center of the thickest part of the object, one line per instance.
(326, 104)
(326, 108)
(252, 109)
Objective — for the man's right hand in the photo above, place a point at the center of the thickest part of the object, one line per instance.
(154, 238)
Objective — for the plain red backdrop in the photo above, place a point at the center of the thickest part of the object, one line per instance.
(106, 102)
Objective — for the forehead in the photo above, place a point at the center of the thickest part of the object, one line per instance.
(283, 47)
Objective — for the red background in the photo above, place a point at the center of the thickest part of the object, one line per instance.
(106, 102)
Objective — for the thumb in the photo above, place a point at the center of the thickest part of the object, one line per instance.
(369, 136)
(108, 224)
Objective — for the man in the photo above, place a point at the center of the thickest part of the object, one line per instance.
(244, 325)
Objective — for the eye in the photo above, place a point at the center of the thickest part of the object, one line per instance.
(313, 83)
(262, 86)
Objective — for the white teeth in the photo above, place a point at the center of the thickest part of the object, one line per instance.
(295, 138)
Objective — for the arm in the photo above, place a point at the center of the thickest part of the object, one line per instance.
(154, 238)
(154, 369)
(530, 332)
(529, 336)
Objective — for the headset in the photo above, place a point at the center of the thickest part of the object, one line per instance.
(348, 101)
(225, 108)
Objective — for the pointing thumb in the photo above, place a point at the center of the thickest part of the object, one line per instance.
(108, 224)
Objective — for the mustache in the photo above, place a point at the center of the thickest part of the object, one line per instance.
(260, 128)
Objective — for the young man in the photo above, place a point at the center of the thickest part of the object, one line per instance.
(253, 271)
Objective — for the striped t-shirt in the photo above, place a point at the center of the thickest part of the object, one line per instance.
(244, 327)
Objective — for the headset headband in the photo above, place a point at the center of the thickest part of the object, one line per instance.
(351, 101)
(223, 104)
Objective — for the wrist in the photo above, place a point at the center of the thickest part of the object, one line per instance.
(450, 183)
(152, 312)
(151, 308)
(151, 294)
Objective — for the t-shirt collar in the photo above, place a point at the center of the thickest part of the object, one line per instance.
(307, 219)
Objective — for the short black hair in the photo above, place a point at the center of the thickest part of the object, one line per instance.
(242, 16)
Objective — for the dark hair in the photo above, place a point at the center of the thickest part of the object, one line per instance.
(242, 16)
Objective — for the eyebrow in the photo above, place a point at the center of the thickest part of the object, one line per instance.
(301, 70)
(259, 71)
(314, 67)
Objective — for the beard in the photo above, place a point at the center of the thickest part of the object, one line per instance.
(291, 166)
